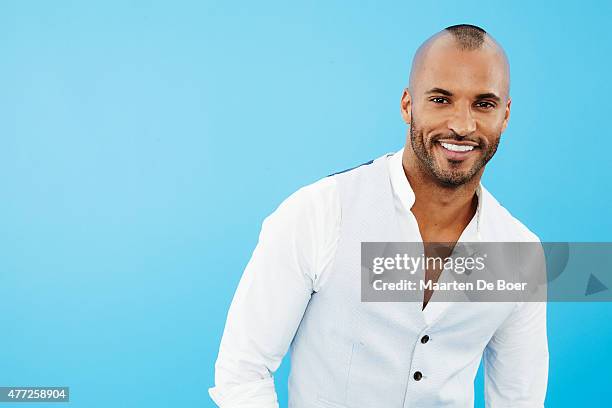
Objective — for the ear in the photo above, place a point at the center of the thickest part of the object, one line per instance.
(405, 106)
(506, 114)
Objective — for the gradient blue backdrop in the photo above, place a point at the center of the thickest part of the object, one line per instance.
(143, 143)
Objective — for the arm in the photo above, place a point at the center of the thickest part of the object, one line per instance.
(272, 296)
(516, 360)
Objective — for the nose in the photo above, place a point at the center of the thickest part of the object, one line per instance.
(462, 122)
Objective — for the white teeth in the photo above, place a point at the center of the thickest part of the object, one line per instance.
(456, 148)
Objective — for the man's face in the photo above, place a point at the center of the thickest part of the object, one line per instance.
(457, 109)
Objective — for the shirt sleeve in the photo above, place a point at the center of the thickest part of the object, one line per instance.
(516, 360)
(295, 244)
(516, 357)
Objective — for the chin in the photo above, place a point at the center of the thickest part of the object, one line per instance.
(454, 177)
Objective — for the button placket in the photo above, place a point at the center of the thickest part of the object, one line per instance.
(417, 363)
(418, 375)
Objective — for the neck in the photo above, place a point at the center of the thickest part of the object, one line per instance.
(442, 212)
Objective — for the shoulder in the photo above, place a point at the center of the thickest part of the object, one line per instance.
(309, 216)
(501, 224)
(305, 226)
(313, 199)
(322, 197)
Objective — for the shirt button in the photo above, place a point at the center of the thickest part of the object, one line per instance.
(424, 339)
(418, 375)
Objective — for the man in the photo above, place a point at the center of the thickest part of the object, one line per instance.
(301, 288)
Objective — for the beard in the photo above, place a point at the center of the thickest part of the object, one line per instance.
(453, 175)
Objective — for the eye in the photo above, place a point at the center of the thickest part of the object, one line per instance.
(485, 105)
(438, 99)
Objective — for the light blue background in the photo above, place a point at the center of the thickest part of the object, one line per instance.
(143, 143)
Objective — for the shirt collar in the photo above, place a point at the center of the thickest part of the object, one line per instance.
(403, 191)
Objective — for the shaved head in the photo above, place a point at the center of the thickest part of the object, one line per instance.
(463, 37)
(457, 105)
(469, 37)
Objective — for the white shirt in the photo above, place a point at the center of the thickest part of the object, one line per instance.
(293, 258)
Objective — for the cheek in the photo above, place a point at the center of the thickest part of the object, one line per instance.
(491, 129)
(428, 127)
(426, 135)
(432, 118)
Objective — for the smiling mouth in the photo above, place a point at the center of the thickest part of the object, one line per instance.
(457, 148)
(457, 151)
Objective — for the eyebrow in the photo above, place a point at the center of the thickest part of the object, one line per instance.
(487, 95)
(439, 91)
